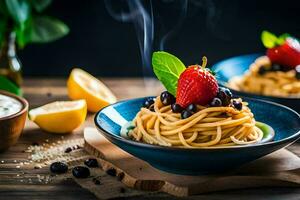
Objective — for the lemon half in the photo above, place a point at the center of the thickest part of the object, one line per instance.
(82, 85)
(60, 116)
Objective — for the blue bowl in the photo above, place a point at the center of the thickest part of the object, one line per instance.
(237, 66)
(200, 161)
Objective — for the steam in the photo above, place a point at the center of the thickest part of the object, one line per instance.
(143, 15)
(182, 15)
(212, 15)
(144, 26)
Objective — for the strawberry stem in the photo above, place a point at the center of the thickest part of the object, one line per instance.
(204, 62)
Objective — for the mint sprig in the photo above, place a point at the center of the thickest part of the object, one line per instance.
(167, 69)
(270, 40)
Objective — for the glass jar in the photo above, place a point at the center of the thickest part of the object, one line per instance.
(10, 66)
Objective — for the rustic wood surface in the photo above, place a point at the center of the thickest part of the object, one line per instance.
(41, 91)
(279, 169)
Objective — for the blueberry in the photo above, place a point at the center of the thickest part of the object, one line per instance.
(228, 92)
(224, 95)
(167, 98)
(58, 167)
(237, 105)
(276, 67)
(120, 176)
(68, 150)
(297, 69)
(216, 102)
(262, 70)
(192, 108)
(91, 162)
(96, 181)
(81, 172)
(176, 108)
(186, 114)
(148, 102)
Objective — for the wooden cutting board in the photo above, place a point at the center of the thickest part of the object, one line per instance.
(279, 169)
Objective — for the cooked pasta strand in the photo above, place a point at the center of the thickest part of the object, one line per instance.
(210, 126)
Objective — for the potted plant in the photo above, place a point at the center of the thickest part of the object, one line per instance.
(22, 23)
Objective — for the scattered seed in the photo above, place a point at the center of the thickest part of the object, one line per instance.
(35, 144)
(37, 167)
(68, 150)
(96, 181)
(120, 176)
(49, 94)
(111, 171)
(91, 162)
(122, 190)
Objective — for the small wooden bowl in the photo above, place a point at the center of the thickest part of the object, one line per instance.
(11, 126)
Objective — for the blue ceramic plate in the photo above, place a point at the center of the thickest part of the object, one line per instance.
(237, 66)
(200, 161)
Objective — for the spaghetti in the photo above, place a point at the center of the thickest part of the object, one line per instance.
(271, 83)
(209, 126)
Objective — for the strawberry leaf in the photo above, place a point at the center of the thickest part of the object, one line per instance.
(268, 39)
(167, 68)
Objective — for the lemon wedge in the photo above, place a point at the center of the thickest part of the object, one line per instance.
(59, 116)
(82, 85)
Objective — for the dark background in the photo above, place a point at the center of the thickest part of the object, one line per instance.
(106, 47)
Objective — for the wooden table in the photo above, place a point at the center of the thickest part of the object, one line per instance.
(41, 91)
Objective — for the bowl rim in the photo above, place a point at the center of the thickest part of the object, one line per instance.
(108, 135)
(18, 98)
(223, 83)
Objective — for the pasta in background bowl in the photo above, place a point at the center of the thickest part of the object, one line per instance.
(234, 67)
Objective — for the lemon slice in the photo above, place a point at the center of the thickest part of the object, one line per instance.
(82, 85)
(60, 116)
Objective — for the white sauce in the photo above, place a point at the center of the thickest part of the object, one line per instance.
(9, 106)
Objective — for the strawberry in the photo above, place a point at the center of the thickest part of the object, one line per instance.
(196, 85)
(287, 54)
(283, 50)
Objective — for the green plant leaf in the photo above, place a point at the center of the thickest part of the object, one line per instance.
(2, 30)
(3, 8)
(19, 10)
(23, 33)
(21, 36)
(167, 68)
(40, 5)
(46, 29)
(268, 39)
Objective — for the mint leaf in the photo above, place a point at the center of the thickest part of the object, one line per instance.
(167, 68)
(268, 39)
(281, 39)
